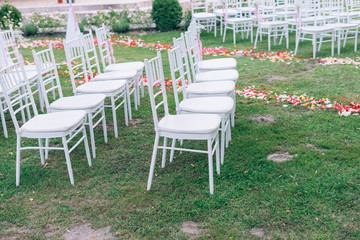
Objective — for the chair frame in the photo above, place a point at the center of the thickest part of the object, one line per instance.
(48, 74)
(155, 75)
(13, 79)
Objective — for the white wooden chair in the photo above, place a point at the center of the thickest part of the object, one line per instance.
(10, 53)
(208, 76)
(114, 90)
(64, 125)
(202, 16)
(272, 28)
(238, 24)
(109, 64)
(319, 30)
(192, 40)
(222, 14)
(92, 61)
(223, 106)
(92, 104)
(179, 127)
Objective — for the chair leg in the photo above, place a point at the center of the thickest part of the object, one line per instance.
(128, 100)
(269, 39)
(3, 120)
(126, 116)
(114, 117)
(287, 37)
(256, 38)
(234, 35)
(339, 42)
(222, 140)
(67, 157)
(217, 154)
(142, 85)
(172, 149)
(164, 153)
(211, 170)
(86, 145)
(314, 46)
(92, 138)
(46, 148)
(332, 43)
(41, 150)
(104, 124)
(135, 86)
(153, 160)
(356, 40)
(18, 150)
(224, 33)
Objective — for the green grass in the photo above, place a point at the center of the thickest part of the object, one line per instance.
(314, 196)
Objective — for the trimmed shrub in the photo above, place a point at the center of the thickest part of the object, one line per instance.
(166, 14)
(29, 29)
(121, 26)
(9, 16)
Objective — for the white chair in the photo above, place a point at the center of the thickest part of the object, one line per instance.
(179, 127)
(10, 53)
(238, 24)
(93, 64)
(201, 15)
(115, 90)
(109, 64)
(64, 125)
(208, 76)
(193, 47)
(223, 106)
(222, 14)
(92, 104)
(319, 30)
(272, 28)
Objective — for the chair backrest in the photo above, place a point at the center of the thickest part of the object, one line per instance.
(48, 76)
(177, 75)
(353, 5)
(103, 45)
(155, 77)
(75, 58)
(91, 57)
(180, 43)
(194, 54)
(17, 93)
(9, 51)
(199, 6)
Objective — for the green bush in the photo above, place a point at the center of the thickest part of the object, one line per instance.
(9, 16)
(166, 14)
(121, 26)
(187, 19)
(29, 29)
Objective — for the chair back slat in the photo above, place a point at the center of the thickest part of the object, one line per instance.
(103, 45)
(91, 57)
(193, 50)
(180, 43)
(17, 93)
(75, 58)
(155, 77)
(48, 76)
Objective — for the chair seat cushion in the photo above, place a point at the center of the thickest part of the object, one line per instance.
(214, 105)
(79, 102)
(220, 75)
(190, 123)
(205, 88)
(137, 66)
(272, 23)
(239, 20)
(53, 122)
(31, 75)
(204, 15)
(217, 64)
(230, 11)
(128, 74)
(342, 25)
(30, 67)
(316, 29)
(101, 86)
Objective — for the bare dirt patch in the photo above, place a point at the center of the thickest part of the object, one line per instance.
(274, 78)
(280, 157)
(135, 121)
(262, 118)
(259, 232)
(84, 231)
(192, 228)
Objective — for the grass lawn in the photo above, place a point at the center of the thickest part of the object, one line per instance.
(316, 195)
